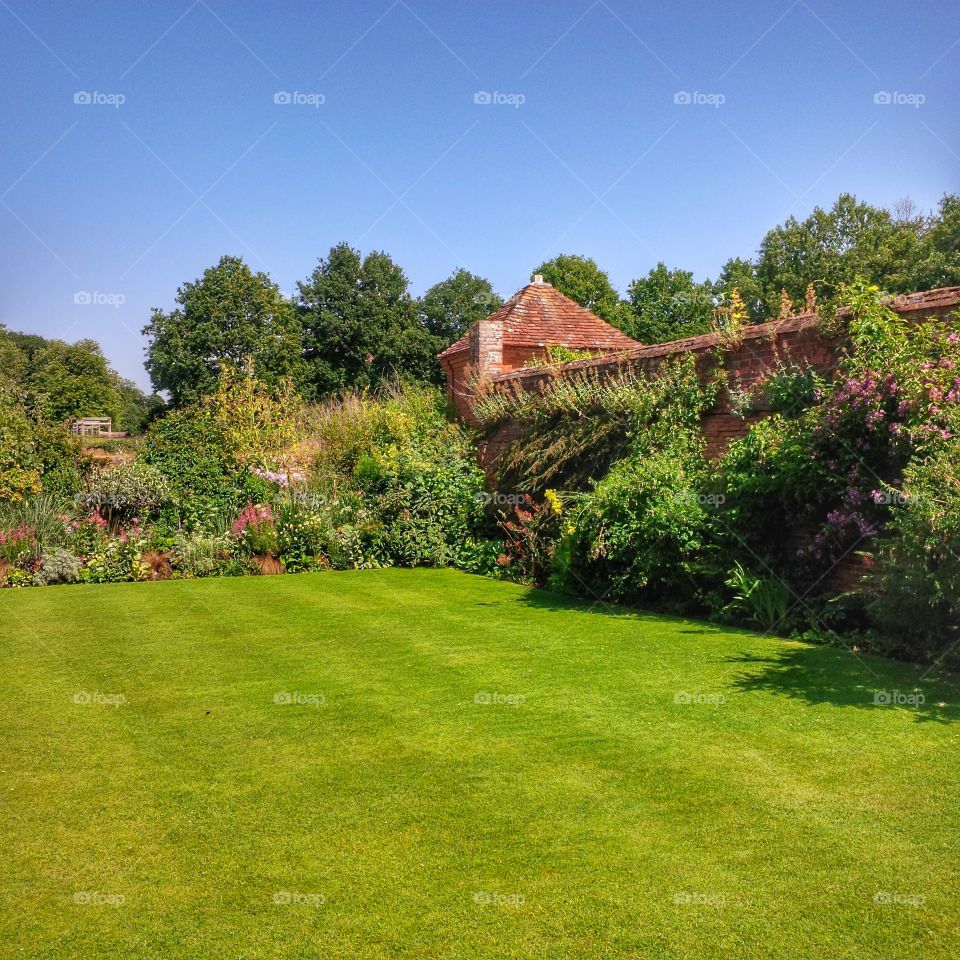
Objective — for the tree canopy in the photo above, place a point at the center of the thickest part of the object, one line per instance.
(229, 316)
(360, 324)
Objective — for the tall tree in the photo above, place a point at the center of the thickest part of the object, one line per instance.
(580, 279)
(360, 324)
(73, 380)
(449, 307)
(668, 305)
(228, 316)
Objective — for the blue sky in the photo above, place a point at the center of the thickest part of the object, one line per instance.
(628, 132)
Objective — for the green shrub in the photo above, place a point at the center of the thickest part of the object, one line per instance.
(574, 428)
(647, 531)
(117, 561)
(765, 601)
(206, 484)
(126, 493)
(915, 601)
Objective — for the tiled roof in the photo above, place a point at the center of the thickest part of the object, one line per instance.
(540, 315)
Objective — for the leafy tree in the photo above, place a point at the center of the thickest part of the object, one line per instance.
(669, 305)
(137, 409)
(227, 316)
(258, 423)
(580, 279)
(20, 466)
(741, 275)
(73, 380)
(360, 324)
(449, 307)
(900, 252)
(13, 360)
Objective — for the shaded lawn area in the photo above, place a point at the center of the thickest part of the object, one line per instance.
(636, 786)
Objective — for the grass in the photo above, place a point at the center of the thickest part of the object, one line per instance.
(779, 813)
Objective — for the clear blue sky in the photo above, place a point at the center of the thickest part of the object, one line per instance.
(127, 201)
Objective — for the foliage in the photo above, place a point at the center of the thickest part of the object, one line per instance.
(73, 380)
(228, 316)
(20, 467)
(124, 494)
(558, 355)
(668, 305)
(644, 533)
(256, 530)
(576, 426)
(360, 324)
(189, 449)
(120, 559)
(915, 599)
(448, 308)
(530, 536)
(57, 566)
(257, 422)
(762, 600)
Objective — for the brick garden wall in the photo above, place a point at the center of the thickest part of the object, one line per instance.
(798, 340)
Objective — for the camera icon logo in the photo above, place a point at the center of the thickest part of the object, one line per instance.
(283, 697)
(83, 97)
(882, 97)
(282, 97)
(682, 97)
(482, 97)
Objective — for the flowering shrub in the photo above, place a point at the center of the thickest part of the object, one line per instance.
(17, 544)
(530, 535)
(256, 530)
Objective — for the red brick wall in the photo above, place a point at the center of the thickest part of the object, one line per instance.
(796, 340)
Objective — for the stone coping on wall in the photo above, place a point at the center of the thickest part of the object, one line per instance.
(772, 329)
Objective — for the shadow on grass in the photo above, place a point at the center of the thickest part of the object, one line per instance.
(542, 599)
(811, 673)
(818, 675)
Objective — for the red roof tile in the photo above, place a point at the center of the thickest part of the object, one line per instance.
(540, 315)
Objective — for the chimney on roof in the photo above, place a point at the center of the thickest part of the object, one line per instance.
(538, 278)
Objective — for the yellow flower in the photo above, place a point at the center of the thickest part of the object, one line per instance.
(553, 498)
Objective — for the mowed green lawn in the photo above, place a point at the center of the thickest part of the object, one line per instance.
(430, 765)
